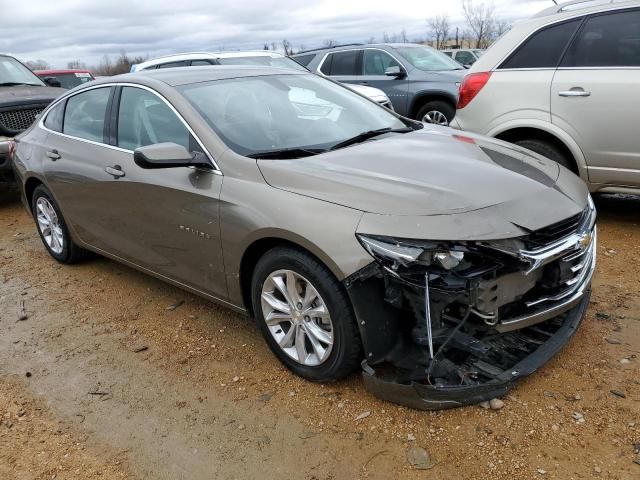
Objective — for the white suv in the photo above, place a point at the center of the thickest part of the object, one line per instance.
(565, 84)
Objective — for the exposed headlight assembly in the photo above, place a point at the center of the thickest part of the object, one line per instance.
(394, 254)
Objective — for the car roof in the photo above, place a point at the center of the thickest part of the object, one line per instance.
(61, 72)
(188, 75)
(178, 57)
(360, 46)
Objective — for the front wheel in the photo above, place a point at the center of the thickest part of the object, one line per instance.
(437, 112)
(305, 316)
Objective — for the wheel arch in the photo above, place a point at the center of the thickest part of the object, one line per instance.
(550, 133)
(258, 247)
(422, 98)
(30, 186)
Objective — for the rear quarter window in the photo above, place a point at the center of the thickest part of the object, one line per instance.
(53, 120)
(544, 48)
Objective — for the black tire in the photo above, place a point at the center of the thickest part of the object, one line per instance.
(441, 106)
(70, 253)
(346, 352)
(548, 150)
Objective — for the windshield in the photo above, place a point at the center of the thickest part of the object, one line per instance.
(13, 72)
(277, 112)
(428, 59)
(71, 80)
(267, 60)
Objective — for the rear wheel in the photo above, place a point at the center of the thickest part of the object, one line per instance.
(52, 227)
(548, 150)
(437, 112)
(305, 316)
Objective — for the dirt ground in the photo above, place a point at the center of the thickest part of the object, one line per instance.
(117, 375)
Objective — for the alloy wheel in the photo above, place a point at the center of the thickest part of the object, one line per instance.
(49, 225)
(436, 117)
(297, 317)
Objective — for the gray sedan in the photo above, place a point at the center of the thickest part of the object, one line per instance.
(446, 265)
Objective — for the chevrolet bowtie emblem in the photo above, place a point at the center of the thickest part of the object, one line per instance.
(585, 241)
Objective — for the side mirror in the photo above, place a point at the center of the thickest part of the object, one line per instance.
(395, 71)
(168, 155)
(52, 82)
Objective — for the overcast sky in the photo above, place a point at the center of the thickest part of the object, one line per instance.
(62, 30)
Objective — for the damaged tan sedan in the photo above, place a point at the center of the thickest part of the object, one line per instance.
(446, 266)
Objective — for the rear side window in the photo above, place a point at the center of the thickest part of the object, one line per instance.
(172, 64)
(201, 63)
(304, 60)
(145, 119)
(85, 112)
(53, 121)
(465, 58)
(342, 63)
(544, 48)
(611, 40)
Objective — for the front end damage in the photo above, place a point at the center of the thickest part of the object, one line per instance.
(446, 324)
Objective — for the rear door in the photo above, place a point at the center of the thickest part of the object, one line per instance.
(596, 96)
(343, 66)
(75, 158)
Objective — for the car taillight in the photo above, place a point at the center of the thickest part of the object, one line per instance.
(471, 86)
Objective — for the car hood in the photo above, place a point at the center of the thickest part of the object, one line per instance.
(433, 172)
(28, 94)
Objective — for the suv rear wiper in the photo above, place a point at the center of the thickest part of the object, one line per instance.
(370, 134)
(13, 84)
(287, 153)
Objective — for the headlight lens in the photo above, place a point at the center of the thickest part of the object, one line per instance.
(394, 254)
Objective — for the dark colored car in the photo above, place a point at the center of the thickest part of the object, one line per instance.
(421, 82)
(23, 96)
(66, 79)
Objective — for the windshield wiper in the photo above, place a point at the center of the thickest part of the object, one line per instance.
(370, 134)
(287, 153)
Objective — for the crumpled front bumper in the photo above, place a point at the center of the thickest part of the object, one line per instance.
(428, 397)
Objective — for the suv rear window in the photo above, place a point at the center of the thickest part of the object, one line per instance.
(544, 48)
(611, 40)
(342, 63)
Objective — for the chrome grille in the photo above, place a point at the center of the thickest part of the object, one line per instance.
(555, 232)
(19, 120)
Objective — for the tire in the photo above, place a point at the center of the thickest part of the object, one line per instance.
(343, 356)
(440, 106)
(548, 150)
(44, 207)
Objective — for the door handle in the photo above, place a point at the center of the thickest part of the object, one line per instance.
(575, 93)
(116, 171)
(54, 155)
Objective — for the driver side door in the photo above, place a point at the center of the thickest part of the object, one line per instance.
(165, 220)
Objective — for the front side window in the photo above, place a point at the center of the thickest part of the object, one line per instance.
(201, 63)
(544, 48)
(428, 59)
(376, 62)
(172, 65)
(276, 112)
(611, 40)
(342, 63)
(145, 119)
(85, 114)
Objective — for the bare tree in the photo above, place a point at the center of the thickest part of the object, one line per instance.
(76, 64)
(328, 43)
(371, 40)
(286, 45)
(266, 46)
(37, 65)
(403, 36)
(501, 27)
(274, 46)
(439, 30)
(481, 20)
